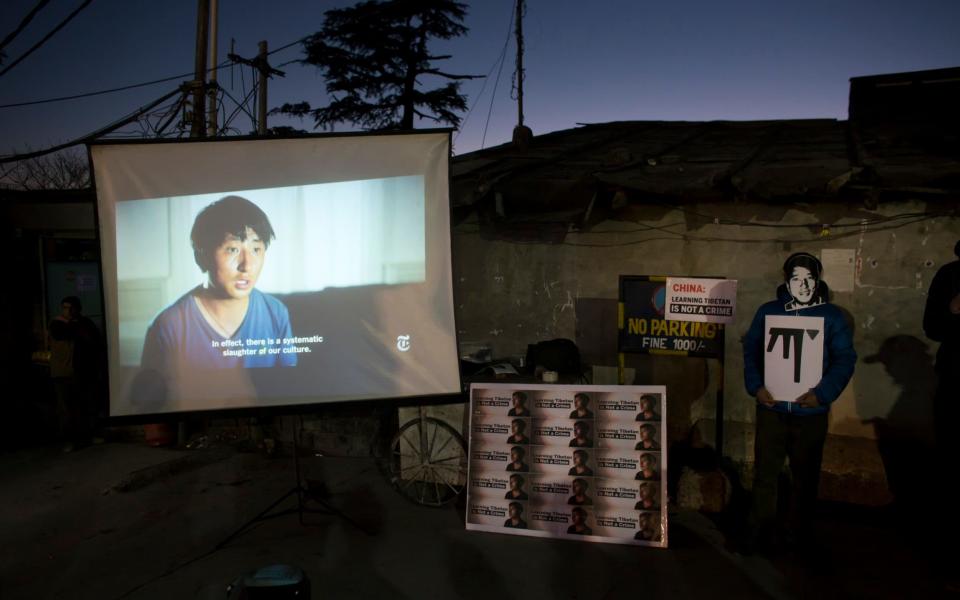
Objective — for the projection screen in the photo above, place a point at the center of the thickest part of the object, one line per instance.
(256, 273)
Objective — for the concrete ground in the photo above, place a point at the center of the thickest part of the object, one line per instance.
(129, 521)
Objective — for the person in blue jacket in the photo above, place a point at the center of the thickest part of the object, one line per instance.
(211, 326)
(798, 428)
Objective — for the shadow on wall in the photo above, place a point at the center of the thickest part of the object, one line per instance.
(905, 437)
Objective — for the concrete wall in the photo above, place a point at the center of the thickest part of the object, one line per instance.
(512, 294)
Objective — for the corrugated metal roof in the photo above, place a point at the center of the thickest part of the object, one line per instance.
(772, 161)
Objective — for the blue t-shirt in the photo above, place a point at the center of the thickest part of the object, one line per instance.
(181, 334)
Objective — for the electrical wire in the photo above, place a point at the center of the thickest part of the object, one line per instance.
(223, 64)
(240, 106)
(291, 44)
(493, 94)
(23, 23)
(45, 38)
(96, 134)
(864, 226)
(717, 220)
(135, 116)
(486, 78)
(111, 90)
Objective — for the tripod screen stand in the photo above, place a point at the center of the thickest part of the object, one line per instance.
(308, 502)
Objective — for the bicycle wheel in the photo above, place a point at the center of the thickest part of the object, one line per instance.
(428, 461)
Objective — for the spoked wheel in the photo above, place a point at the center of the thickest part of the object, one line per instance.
(428, 461)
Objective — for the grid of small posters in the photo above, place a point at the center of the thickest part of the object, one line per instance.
(574, 462)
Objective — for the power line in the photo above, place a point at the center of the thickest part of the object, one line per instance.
(486, 78)
(718, 220)
(94, 135)
(109, 91)
(43, 40)
(493, 94)
(124, 120)
(294, 43)
(224, 64)
(867, 227)
(23, 23)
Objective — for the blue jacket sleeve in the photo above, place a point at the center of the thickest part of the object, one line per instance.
(753, 354)
(840, 360)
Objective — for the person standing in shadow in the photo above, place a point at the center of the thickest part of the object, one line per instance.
(794, 428)
(941, 323)
(75, 354)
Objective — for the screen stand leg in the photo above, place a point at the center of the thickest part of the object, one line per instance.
(308, 502)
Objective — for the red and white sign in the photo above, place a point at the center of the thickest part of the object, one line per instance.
(701, 300)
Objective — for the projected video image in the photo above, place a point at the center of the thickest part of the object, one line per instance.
(212, 284)
(227, 288)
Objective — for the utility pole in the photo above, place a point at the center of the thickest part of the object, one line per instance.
(198, 126)
(212, 91)
(522, 135)
(264, 69)
(519, 30)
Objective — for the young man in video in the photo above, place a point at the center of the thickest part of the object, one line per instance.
(207, 327)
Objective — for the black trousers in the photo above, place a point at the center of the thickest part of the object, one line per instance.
(74, 409)
(780, 436)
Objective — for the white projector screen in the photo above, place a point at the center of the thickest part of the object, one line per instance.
(257, 273)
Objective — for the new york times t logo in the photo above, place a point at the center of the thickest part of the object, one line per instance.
(403, 343)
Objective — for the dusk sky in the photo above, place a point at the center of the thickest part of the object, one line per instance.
(586, 62)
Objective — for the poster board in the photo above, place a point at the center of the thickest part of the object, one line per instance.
(701, 300)
(571, 462)
(644, 327)
(793, 355)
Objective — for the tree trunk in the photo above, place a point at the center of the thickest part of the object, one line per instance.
(410, 79)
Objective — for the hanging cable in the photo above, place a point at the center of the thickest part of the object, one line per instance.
(23, 23)
(223, 64)
(493, 94)
(43, 40)
(109, 91)
(96, 134)
(486, 78)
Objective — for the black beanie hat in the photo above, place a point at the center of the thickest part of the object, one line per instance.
(805, 260)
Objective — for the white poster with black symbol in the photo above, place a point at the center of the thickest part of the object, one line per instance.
(793, 355)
